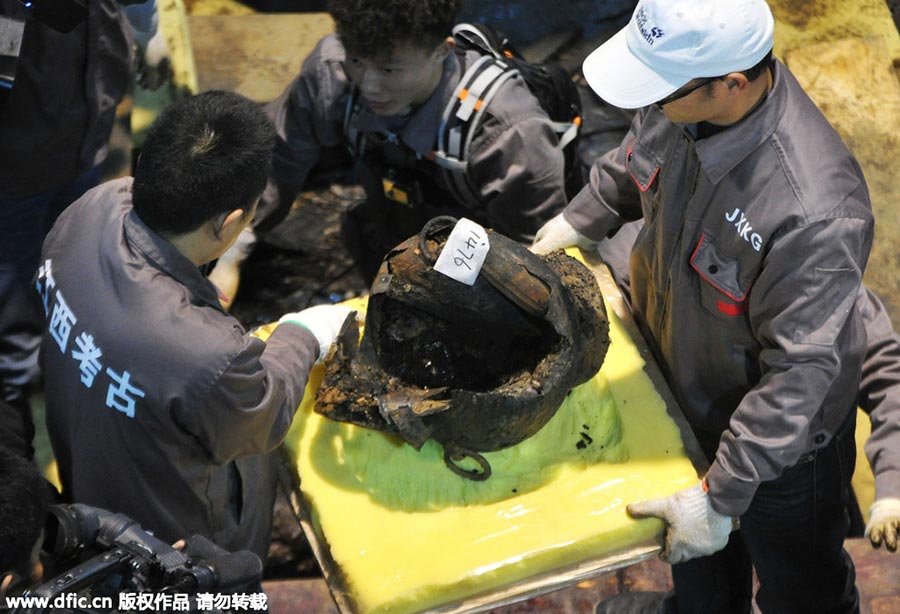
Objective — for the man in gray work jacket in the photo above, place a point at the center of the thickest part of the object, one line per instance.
(159, 404)
(397, 62)
(879, 396)
(744, 280)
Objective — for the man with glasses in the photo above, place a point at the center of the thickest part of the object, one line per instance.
(757, 229)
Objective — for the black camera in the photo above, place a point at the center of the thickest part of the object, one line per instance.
(112, 555)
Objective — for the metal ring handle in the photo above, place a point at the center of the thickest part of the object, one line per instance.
(433, 225)
(453, 455)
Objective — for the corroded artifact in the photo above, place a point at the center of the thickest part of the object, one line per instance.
(476, 368)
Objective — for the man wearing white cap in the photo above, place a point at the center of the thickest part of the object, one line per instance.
(757, 229)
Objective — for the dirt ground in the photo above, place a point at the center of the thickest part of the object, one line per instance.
(302, 262)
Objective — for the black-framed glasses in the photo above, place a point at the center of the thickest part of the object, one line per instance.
(686, 90)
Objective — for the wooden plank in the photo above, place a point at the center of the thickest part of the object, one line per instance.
(254, 55)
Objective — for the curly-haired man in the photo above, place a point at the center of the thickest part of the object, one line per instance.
(395, 62)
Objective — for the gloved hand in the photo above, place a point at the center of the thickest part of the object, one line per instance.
(558, 234)
(154, 63)
(693, 527)
(884, 523)
(323, 321)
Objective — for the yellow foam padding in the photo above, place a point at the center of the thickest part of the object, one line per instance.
(51, 473)
(586, 433)
(863, 480)
(408, 535)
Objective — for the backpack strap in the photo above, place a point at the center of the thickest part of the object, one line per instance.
(567, 131)
(486, 40)
(461, 119)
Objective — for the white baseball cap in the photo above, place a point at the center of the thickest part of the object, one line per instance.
(670, 42)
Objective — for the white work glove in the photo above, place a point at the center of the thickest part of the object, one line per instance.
(154, 63)
(693, 527)
(323, 321)
(559, 234)
(884, 523)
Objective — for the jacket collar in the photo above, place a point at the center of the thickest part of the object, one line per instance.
(166, 258)
(420, 129)
(722, 152)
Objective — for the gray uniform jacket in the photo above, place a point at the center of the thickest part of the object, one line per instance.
(515, 163)
(879, 395)
(744, 277)
(159, 404)
(59, 115)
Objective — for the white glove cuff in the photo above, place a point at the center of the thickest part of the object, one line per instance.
(887, 505)
(698, 504)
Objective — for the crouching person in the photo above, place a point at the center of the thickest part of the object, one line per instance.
(159, 404)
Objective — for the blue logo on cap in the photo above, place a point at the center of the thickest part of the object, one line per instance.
(649, 34)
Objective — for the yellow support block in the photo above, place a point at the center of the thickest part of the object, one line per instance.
(147, 105)
(863, 479)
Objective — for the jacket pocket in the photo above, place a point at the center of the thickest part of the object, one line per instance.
(643, 169)
(823, 317)
(722, 291)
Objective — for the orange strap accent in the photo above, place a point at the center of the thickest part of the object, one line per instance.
(463, 94)
(478, 104)
(704, 484)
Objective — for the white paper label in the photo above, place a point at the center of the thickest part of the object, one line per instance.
(11, 31)
(464, 252)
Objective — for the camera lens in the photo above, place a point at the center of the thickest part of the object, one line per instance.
(65, 532)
